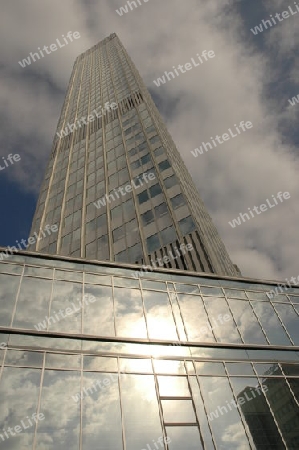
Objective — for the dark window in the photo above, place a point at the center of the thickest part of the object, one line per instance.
(154, 139)
(168, 235)
(164, 165)
(146, 158)
(161, 210)
(136, 164)
(177, 201)
(147, 217)
(153, 243)
(143, 197)
(159, 151)
(118, 233)
(186, 225)
(170, 181)
(155, 190)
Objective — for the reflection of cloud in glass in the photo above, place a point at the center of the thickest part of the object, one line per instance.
(66, 295)
(101, 412)
(269, 321)
(141, 423)
(98, 315)
(160, 320)
(9, 287)
(216, 392)
(195, 318)
(61, 428)
(19, 390)
(247, 322)
(129, 315)
(33, 302)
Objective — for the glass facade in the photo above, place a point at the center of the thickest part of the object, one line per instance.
(91, 357)
(115, 184)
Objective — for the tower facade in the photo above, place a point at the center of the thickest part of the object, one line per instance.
(115, 184)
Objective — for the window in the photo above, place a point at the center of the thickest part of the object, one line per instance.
(159, 151)
(164, 165)
(133, 151)
(187, 225)
(118, 233)
(170, 182)
(177, 201)
(168, 235)
(146, 158)
(147, 217)
(143, 197)
(116, 212)
(153, 243)
(161, 210)
(154, 139)
(155, 190)
(136, 164)
(135, 253)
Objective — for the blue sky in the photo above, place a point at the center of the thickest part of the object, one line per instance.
(251, 78)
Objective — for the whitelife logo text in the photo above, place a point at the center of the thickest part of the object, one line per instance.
(53, 47)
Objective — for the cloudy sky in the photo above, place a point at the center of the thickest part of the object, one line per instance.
(251, 78)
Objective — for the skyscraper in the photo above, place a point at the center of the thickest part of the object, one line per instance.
(116, 185)
(92, 356)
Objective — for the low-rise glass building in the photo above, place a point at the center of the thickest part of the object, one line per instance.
(97, 356)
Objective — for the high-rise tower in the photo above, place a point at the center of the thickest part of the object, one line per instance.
(92, 356)
(115, 184)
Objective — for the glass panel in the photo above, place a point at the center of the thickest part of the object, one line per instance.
(38, 272)
(222, 322)
(168, 366)
(24, 359)
(223, 415)
(61, 412)
(187, 288)
(173, 386)
(201, 414)
(234, 293)
(170, 181)
(179, 436)
(247, 322)
(33, 303)
(239, 369)
(195, 318)
(101, 421)
(66, 307)
(153, 243)
(98, 316)
(290, 320)
(159, 285)
(135, 365)
(9, 288)
(268, 318)
(178, 411)
(256, 412)
(129, 315)
(267, 369)
(160, 320)
(177, 201)
(125, 282)
(209, 368)
(100, 363)
(187, 225)
(10, 268)
(63, 361)
(147, 217)
(140, 410)
(291, 369)
(217, 292)
(19, 390)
